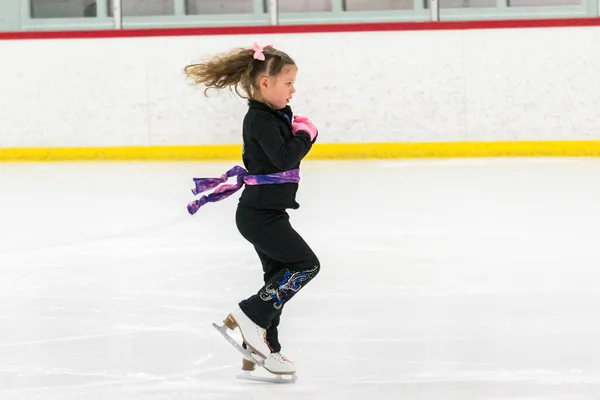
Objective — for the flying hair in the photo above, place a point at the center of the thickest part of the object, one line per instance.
(238, 69)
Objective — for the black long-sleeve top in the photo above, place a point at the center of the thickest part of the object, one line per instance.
(270, 147)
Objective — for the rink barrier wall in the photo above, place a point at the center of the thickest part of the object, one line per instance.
(327, 151)
(305, 28)
(450, 89)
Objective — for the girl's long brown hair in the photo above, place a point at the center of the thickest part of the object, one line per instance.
(238, 70)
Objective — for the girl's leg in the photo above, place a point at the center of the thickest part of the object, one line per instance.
(271, 233)
(270, 268)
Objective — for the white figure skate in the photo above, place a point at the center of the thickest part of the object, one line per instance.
(276, 364)
(259, 352)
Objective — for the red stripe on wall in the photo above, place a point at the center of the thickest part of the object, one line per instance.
(290, 29)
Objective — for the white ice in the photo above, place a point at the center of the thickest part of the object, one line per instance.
(441, 280)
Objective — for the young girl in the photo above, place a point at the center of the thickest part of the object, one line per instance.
(274, 143)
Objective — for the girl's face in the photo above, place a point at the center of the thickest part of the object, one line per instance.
(277, 91)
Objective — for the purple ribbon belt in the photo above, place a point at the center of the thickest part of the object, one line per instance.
(243, 177)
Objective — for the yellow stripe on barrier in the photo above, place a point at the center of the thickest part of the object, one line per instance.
(457, 149)
(321, 151)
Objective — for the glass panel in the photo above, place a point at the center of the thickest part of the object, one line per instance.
(464, 3)
(291, 6)
(62, 8)
(533, 3)
(137, 8)
(195, 7)
(467, 3)
(374, 5)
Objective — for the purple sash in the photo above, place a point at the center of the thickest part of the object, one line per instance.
(224, 191)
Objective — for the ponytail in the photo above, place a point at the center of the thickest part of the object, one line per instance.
(238, 70)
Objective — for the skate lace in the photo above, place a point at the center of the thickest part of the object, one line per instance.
(281, 357)
(263, 332)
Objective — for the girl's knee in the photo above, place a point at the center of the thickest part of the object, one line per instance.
(315, 268)
(313, 263)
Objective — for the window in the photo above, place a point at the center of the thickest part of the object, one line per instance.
(195, 7)
(136, 8)
(534, 3)
(62, 8)
(375, 5)
(300, 6)
(467, 3)
(464, 3)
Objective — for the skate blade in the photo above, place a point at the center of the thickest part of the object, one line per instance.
(275, 379)
(245, 353)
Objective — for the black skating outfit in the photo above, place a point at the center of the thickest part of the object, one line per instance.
(261, 217)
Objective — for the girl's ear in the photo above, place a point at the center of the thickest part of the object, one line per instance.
(263, 82)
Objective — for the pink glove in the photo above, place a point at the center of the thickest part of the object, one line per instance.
(304, 124)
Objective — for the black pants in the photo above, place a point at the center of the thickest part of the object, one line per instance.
(288, 265)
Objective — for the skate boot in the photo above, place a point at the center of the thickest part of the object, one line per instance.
(253, 335)
(276, 364)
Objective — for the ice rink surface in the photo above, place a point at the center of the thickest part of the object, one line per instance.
(441, 280)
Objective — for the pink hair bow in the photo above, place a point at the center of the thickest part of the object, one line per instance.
(258, 51)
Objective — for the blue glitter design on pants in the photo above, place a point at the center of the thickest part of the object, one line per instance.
(289, 282)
